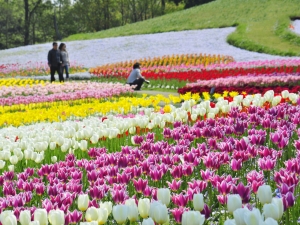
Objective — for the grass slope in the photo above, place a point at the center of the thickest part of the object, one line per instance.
(262, 25)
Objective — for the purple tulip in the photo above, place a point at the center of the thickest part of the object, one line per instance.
(180, 200)
(177, 213)
(236, 164)
(140, 185)
(243, 191)
(175, 185)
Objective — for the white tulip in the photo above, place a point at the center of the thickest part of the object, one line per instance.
(164, 195)
(132, 130)
(91, 214)
(56, 217)
(5, 214)
(234, 202)
(253, 217)
(120, 213)
(285, 94)
(11, 168)
(107, 206)
(53, 159)
(264, 194)
(102, 216)
(94, 139)
(83, 202)
(210, 115)
(144, 207)
(279, 203)
(270, 221)
(160, 214)
(238, 98)
(271, 211)
(2, 164)
(34, 156)
(64, 148)
(13, 159)
(9, 220)
(202, 111)
(41, 216)
(83, 145)
(198, 202)
(246, 102)
(276, 100)
(130, 202)
(25, 217)
(192, 218)
(133, 213)
(28, 154)
(148, 221)
(194, 117)
(239, 215)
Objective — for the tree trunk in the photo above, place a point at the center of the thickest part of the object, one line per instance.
(163, 6)
(58, 36)
(27, 23)
(28, 15)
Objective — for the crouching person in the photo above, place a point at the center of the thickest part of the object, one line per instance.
(136, 78)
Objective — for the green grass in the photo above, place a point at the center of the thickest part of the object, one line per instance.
(154, 83)
(262, 25)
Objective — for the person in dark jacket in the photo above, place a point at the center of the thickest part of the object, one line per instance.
(54, 62)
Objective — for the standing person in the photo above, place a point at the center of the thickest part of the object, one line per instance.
(54, 62)
(136, 78)
(65, 60)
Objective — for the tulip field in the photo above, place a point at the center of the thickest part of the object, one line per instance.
(93, 153)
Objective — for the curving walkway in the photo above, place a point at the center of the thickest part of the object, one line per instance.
(91, 53)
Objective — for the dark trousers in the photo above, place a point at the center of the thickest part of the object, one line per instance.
(65, 68)
(57, 69)
(139, 82)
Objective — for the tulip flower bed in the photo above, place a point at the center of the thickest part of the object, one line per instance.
(19, 82)
(250, 80)
(174, 60)
(33, 69)
(204, 163)
(199, 72)
(245, 89)
(46, 88)
(65, 93)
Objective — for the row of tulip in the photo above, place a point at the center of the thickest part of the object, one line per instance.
(213, 170)
(31, 142)
(169, 72)
(43, 89)
(245, 89)
(169, 60)
(261, 80)
(19, 82)
(95, 91)
(18, 115)
(33, 69)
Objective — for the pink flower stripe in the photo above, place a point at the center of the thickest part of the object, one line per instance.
(248, 80)
(54, 88)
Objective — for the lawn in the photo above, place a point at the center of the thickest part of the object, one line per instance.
(262, 25)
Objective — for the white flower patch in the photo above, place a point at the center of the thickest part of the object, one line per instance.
(91, 53)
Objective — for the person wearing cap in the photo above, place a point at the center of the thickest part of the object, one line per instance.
(136, 78)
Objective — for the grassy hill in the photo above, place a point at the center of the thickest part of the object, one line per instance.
(262, 25)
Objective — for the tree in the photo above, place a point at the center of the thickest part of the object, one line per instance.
(28, 17)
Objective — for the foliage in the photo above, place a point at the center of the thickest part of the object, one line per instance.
(29, 22)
